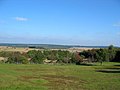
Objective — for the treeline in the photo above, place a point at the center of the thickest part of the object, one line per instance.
(109, 54)
(39, 57)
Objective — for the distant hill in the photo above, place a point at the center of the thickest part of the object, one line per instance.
(49, 46)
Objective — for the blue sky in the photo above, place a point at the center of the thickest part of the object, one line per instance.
(71, 22)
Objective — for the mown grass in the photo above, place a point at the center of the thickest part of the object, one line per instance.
(60, 77)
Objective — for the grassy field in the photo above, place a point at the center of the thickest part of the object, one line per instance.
(21, 49)
(60, 77)
(15, 49)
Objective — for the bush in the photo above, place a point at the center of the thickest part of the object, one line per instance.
(17, 58)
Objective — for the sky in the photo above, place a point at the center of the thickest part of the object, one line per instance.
(65, 22)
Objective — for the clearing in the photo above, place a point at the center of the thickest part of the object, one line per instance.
(60, 77)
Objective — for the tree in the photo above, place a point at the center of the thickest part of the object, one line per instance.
(23, 60)
(63, 56)
(90, 54)
(17, 58)
(112, 52)
(117, 56)
(78, 59)
(111, 47)
(37, 57)
(100, 56)
(31, 53)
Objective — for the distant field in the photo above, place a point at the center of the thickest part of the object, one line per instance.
(25, 49)
(60, 77)
(14, 49)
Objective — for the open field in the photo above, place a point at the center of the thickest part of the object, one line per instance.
(59, 77)
(21, 49)
(15, 49)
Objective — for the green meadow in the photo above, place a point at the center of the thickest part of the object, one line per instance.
(60, 77)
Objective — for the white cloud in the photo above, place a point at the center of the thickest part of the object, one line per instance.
(21, 19)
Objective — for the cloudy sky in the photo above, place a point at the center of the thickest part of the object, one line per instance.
(76, 22)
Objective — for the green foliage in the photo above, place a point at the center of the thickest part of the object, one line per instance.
(31, 53)
(64, 56)
(23, 60)
(51, 54)
(77, 58)
(111, 47)
(5, 53)
(100, 55)
(117, 56)
(36, 56)
(17, 58)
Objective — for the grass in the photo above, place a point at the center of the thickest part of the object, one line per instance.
(16, 49)
(60, 77)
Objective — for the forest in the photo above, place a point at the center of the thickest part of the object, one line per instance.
(110, 54)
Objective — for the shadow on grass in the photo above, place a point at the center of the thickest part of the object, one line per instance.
(86, 64)
(113, 68)
(109, 71)
(116, 65)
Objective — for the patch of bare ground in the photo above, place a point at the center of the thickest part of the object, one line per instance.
(33, 70)
(33, 81)
(63, 82)
(28, 79)
(22, 70)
